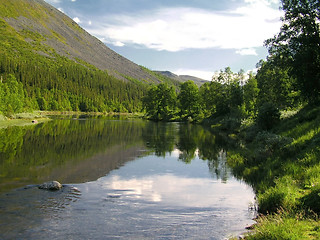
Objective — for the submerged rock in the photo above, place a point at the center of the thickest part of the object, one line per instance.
(53, 186)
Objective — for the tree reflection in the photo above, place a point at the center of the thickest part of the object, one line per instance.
(187, 142)
(31, 154)
(160, 137)
(191, 141)
(218, 167)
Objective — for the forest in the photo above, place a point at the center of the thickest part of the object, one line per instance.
(66, 86)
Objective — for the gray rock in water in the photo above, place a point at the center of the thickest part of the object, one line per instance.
(53, 186)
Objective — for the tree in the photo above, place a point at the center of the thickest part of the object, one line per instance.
(298, 45)
(12, 95)
(160, 102)
(190, 101)
(228, 90)
(250, 94)
(275, 85)
(268, 116)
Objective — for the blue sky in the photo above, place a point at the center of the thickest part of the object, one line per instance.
(193, 37)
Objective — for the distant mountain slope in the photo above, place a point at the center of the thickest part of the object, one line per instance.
(52, 32)
(182, 78)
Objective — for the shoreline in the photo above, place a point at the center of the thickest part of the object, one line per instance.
(32, 118)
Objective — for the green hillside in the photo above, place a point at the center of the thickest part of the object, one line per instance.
(48, 62)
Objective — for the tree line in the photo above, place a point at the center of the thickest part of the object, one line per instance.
(224, 96)
(64, 85)
(287, 79)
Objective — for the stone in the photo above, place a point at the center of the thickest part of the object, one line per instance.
(53, 186)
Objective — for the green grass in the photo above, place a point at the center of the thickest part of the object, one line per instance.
(283, 226)
(283, 166)
(21, 119)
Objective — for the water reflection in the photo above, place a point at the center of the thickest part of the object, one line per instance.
(81, 150)
(190, 141)
(134, 180)
(68, 150)
(169, 182)
(23, 210)
(158, 197)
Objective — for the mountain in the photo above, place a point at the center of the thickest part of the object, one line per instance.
(48, 62)
(182, 78)
(38, 23)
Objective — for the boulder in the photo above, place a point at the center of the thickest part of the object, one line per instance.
(53, 186)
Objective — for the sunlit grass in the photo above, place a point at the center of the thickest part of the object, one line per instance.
(21, 119)
(283, 165)
(284, 226)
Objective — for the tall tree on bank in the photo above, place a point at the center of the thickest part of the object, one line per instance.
(275, 85)
(160, 102)
(190, 101)
(298, 45)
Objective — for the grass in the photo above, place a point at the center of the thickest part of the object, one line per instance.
(21, 119)
(283, 166)
(19, 122)
(24, 119)
(283, 225)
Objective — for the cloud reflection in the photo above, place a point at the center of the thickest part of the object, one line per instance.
(182, 191)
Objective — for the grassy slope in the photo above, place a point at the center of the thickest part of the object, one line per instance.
(34, 29)
(284, 168)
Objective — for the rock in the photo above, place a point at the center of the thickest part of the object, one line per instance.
(53, 186)
(34, 121)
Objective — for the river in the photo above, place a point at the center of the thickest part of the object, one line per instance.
(123, 179)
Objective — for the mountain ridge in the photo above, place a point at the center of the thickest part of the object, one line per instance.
(39, 24)
(55, 30)
(182, 78)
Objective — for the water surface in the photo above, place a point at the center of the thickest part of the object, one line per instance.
(124, 179)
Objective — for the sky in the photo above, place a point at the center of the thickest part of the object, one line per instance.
(186, 37)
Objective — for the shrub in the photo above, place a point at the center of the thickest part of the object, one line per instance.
(268, 116)
(269, 143)
(312, 200)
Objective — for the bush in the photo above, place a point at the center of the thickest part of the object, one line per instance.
(270, 143)
(268, 116)
(312, 200)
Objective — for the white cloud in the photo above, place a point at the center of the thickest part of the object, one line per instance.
(247, 51)
(53, 1)
(73, 0)
(77, 20)
(176, 29)
(118, 44)
(61, 10)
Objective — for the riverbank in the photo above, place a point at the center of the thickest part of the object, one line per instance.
(281, 164)
(24, 119)
(283, 167)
